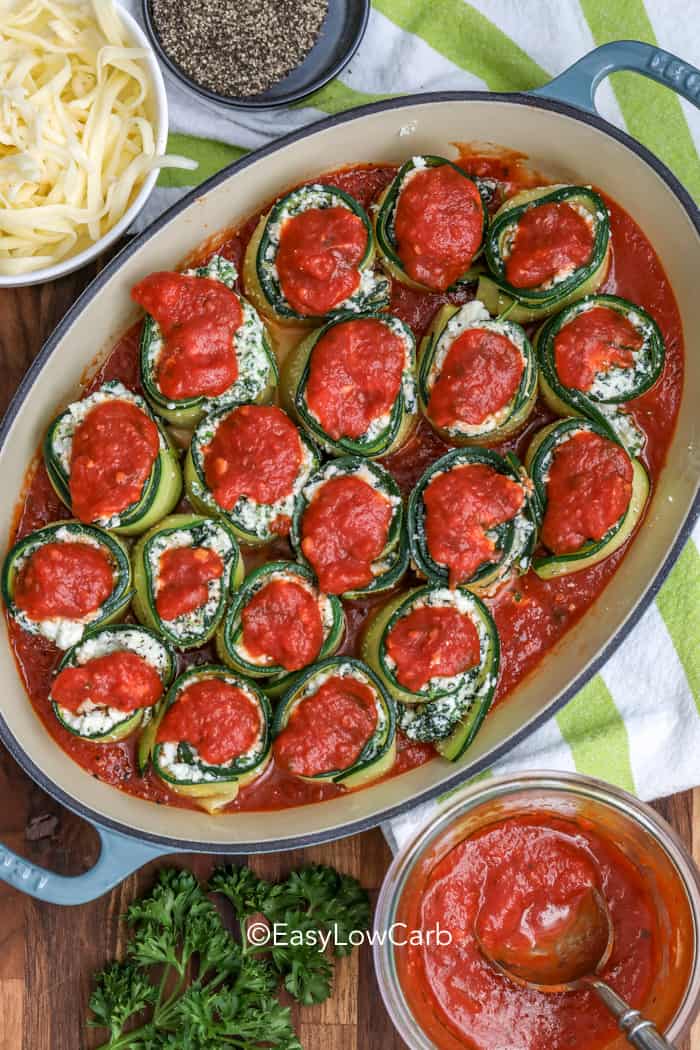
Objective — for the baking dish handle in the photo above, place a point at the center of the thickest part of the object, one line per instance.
(577, 84)
(119, 856)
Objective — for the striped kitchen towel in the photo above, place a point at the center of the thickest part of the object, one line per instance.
(637, 723)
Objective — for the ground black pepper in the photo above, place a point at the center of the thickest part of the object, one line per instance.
(237, 48)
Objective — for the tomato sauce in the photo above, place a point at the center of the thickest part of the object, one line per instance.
(328, 729)
(184, 575)
(214, 717)
(198, 318)
(439, 225)
(479, 377)
(354, 378)
(121, 679)
(532, 615)
(551, 241)
(114, 450)
(318, 259)
(66, 580)
(432, 642)
(588, 490)
(592, 343)
(255, 452)
(461, 505)
(282, 625)
(516, 883)
(344, 530)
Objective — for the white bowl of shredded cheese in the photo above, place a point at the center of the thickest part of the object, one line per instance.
(83, 132)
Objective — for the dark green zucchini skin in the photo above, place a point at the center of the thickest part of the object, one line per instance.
(275, 679)
(395, 554)
(202, 499)
(261, 280)
(528, 304)
(162, 489)
(386, 216)
(516, 545)
(379, 753)
(257, 367)
(295, 378)
(201, 530)
(525, 397)
(134, 720)
(538, 460)
(605, 407)
(116, 604)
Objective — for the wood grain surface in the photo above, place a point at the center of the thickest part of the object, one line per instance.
(48, 954)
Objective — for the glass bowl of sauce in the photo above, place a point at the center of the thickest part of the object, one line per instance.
(505, 862)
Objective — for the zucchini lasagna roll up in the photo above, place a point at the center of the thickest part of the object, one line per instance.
(430, 224)
(477, 377)
(336, 724)
(348, 528)
(278, 623)
(352, 385)
(311, 258)
(210, 736)
(184, 570)
(472, 520)
(545, 248)
(109, 684)
(595, 356)
(65, 578)
(592, 494)
(249, 465)
(437, 652)
(110, 461)
(203, 347)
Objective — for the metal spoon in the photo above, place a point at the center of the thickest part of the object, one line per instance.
(571, 964)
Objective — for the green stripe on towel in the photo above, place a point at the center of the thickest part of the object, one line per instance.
(678, 601)
(652, 113)
(597, 735)
(211, 156)
(466, 37)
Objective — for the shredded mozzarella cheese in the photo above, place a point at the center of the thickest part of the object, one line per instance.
(77, 136)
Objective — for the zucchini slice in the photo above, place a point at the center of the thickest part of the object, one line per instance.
(386, 218)
(260, 274)
(449, 324)
(379, 751)
(613, 386)
(539, 460)
(105, 725)
(64, 631)
(179, 763)
(230, 644)
(513, 540)
(253, 523)
(163, 486)
(386, 433)
(447, 712)
(392, 562)
(193, 628)
(531, 304)
(257, 365)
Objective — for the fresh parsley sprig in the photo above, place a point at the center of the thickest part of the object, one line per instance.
(188, 984)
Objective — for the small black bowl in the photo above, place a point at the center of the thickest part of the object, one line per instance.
(341, 33)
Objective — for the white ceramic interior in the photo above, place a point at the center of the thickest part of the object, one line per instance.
(158, 114)
(568, 149)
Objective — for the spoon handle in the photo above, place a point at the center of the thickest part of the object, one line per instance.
(639, 1033)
